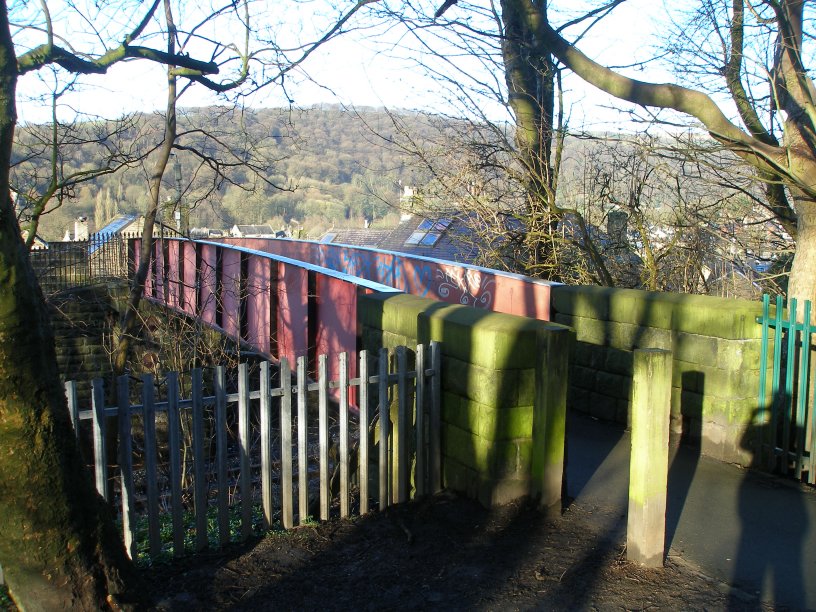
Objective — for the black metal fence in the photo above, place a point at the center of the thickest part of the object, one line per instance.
(84, 262)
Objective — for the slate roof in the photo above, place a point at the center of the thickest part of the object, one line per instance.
(455, 241)
(118, 224)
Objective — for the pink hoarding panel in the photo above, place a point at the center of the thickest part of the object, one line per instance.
(207, 282)
(257, 302)
(442, 280)
(336, 320)
(293, 312)
(173, 273)
(231, 292)
(158, 271)
(189, 280)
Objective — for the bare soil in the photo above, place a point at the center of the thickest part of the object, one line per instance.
(445, 553)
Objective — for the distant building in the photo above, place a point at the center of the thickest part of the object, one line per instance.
(123, 224)
(440, 235)
(204, 233)
(252, 231)
(81, 230)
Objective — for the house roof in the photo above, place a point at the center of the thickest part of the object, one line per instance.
(255, 230)
(117, 224)
(356, 237)
(441, 236)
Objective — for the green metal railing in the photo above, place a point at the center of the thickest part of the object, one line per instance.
(788, 437)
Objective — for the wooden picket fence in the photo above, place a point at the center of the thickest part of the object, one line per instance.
(216, 454)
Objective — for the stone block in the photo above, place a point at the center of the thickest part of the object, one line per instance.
(459, 477)
(619, 361)
(489, 387)
(394, 313)
(603, 407)
(466, 447)
(491, 340)
(613, 385)
(579, 399)
(583, 353)
(704, 315)
(583, 378)
(628, 337)
(492, 492)
(526, 387)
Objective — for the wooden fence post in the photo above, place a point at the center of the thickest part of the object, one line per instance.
(126, 466)
(649, 462)
(100, 446)
(364, 420)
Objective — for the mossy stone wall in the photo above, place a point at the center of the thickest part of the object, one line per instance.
(488, 386)
(715, 370)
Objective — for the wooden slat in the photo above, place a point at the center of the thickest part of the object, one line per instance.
(266, 445)
(199, 460)
(174, 443)
(100, 445)
(303, 460)
(126, 466)
(345, 502)
(435, 421)
(385, 429)
(73, 405)
(364, 437)
(244, 449)
(151, 466)
(403, 415)
(419, 477)
(323, 436)
(287, 511)
(220, 389)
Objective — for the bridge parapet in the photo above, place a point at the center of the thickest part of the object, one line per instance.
(446, 281)
(280, 306)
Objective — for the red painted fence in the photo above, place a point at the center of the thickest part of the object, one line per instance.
(292, 298)
(280, 306)
(446, 281)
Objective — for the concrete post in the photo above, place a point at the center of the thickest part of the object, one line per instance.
(553, 345)
(649, 462)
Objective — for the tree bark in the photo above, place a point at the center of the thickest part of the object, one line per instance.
(792, 163)
(58, 546)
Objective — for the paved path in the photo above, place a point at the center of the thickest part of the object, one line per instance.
(754, 531)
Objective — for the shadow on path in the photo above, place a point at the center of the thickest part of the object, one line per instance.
(772, 533)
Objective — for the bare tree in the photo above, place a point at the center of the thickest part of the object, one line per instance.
(42, 178)
(487, 57)
(775, 29)
(58, 545)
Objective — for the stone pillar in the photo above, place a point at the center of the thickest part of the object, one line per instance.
(649, 462)
(553, 345)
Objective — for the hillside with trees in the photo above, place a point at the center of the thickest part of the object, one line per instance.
(320, 167)
(307, 170)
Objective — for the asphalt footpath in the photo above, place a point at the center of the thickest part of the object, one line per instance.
(753, 531)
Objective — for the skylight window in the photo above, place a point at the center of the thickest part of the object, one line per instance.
(429, 232)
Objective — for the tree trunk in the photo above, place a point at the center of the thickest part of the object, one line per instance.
(802, 281)
(58, 546)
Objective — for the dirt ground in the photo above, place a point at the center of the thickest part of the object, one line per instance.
(442, 553)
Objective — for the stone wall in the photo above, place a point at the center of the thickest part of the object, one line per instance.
(716, 349)
(84, 320)
(491, 365)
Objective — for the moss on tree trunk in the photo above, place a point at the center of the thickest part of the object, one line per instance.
(58, 546)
